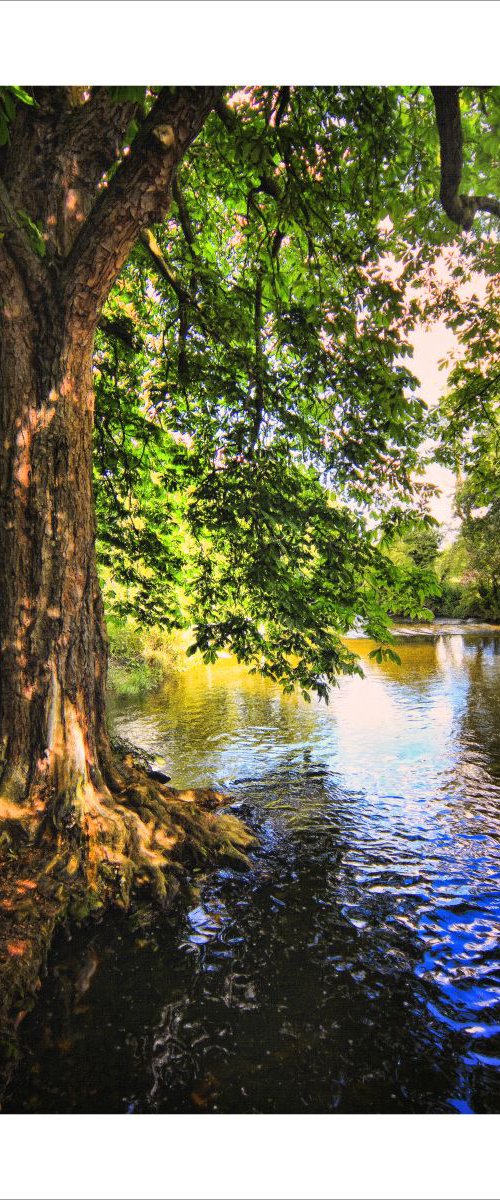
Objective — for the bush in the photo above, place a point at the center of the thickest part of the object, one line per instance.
(141, 659)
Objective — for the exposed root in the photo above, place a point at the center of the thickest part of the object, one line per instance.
(121, 837)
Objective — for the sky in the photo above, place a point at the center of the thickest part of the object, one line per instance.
(430, 345)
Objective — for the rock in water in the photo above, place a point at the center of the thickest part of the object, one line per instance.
(158, 775)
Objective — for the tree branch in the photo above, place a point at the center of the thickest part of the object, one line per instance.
(184, 217)
(95, 133)
(488, 204)
(138, 195)
(59, 151)
(90, 143)
(187, 298)
(461, 209)
(30, 157)
(226, 115)
(150, 243)
(258, 367)
(18, 247)
(282, 104)
(121, 328)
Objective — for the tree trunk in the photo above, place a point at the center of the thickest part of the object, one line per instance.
(78, 828)
(52, 639)
(60, 784)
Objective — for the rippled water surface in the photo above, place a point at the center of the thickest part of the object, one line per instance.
(356, 967)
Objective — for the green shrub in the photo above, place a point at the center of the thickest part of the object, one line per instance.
(141, 659)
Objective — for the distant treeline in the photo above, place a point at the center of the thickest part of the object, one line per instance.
(467, 572)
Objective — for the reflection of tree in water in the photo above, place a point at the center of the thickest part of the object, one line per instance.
(421, 663)
(417, 654)
(218, 724)
(480, 729)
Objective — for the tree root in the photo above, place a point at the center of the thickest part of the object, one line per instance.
(122, 838)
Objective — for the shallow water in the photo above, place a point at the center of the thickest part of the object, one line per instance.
(356, 967)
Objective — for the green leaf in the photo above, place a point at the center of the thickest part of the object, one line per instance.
(22, 95)
(34, 233)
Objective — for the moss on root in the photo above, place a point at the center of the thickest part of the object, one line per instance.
(137, 842)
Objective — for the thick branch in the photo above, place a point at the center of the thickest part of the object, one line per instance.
(16, 243)
(31, 157)
(96, 131)
(226, 114)
(91, 142)
(489, 204)
(60, 149)
(138, 195)
(458, 207)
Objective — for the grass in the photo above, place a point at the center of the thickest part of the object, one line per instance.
(141, 659)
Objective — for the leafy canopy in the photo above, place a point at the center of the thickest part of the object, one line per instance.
(259, 431)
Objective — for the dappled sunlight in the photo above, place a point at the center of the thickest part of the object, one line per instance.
(17, 949)
(10, 811)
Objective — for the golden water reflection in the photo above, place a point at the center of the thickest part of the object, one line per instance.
(412, 729)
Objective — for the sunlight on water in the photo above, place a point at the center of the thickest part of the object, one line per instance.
(356, 968)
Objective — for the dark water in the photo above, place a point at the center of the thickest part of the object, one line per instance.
(356, 968)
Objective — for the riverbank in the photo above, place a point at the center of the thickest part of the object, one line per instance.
(143, 658)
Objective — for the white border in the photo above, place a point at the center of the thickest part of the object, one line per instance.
(249, 41)
(249, 1158)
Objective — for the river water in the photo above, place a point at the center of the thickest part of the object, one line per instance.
(356, 967)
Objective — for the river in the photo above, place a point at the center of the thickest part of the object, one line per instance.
(356, 967)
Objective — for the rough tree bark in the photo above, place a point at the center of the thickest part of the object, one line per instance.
(75, 824)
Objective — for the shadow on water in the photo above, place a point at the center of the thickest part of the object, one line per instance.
(356, 967)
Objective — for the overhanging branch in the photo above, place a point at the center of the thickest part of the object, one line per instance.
(460, 208)
(184, 217)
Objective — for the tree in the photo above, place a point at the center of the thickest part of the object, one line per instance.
(290, 244)
(287, 345)
(417, 550)
(75, 822)
(52, 701)
(480, 535)
(467, 426)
